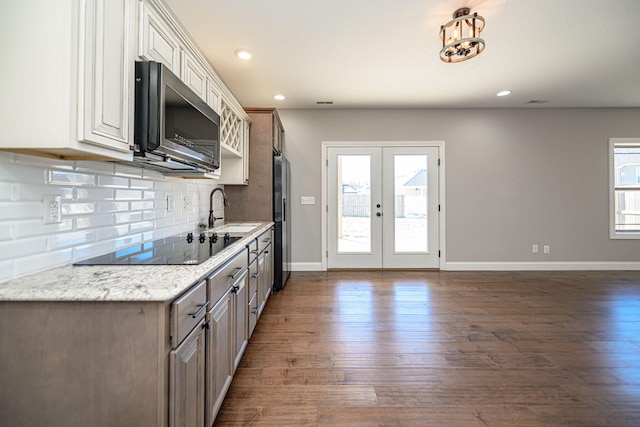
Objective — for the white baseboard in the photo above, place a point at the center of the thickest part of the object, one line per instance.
(305, 266)
(540, 266)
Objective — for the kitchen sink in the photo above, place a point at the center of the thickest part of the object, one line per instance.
(236, 228)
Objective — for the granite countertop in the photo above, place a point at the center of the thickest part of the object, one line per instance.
(120, 282)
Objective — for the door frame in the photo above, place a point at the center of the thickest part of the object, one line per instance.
(441, 188)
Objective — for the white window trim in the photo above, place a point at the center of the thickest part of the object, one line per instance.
(613, 234)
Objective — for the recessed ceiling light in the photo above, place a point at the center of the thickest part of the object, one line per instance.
(504, 93)
(243, 53)
(279, 97)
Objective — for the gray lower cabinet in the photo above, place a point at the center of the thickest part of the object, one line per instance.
(187, 380)
(129, 363)
(187, 358)
(219, 355)
(265, 269)
(227, 289)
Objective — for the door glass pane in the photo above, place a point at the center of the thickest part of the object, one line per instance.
(411, 203)
(354, 204)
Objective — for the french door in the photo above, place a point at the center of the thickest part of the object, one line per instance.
(382, 209)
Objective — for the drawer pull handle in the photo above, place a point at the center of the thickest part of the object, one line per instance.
(238, 270)
(267, 239)
(200, 309)
(255, 251)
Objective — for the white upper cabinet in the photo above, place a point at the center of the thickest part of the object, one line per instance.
(67, 72)
(157, 42)
(108, 70)
(194, 75)
(214, 97)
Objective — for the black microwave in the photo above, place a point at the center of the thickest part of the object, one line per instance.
(175, 130)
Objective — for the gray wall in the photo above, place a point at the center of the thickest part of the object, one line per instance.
(513, 177)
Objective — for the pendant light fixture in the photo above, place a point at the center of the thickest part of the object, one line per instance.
(461, 36)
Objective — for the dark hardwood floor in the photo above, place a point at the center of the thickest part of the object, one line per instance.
(429, 348)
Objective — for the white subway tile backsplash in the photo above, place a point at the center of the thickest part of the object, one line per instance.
(81, 252)
(88, 193)
(15, 249)
(6, 270)
(141, 226)
(33, 228)
(70, 178)
(45, 162)
(139, 183)
(113, 181)
(110, 233)
(149, 195)
(106, 168)
(127, 194)
(20, 210)
(104, 206)
(126, 217)
(148, 215)
(26, 192)
(78, 208)
(6, 231)
(126, 170)
(18, 173)
(6, 191)
(93, 221)
(127, 241)
(41, 262)
(138, 206)
(65, 240)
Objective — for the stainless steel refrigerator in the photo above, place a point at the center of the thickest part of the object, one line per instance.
(281, 217)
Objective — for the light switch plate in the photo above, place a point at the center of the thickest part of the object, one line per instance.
(308, 200)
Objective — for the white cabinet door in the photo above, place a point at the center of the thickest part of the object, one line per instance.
(214, 96)
(105, 108)
(194, 75)
(157, 42)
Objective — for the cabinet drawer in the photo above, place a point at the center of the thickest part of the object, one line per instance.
(220, 280)
(187, 311)
(253, 312)
(252, 246)
(253, 278)
(264, 240)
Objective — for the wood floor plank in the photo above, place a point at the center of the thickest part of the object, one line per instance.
(436, 348)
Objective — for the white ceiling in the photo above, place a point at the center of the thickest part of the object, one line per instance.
(384, 53)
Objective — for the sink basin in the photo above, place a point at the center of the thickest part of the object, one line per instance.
(236, 228)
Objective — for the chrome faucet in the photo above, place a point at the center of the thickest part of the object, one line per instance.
(225, 201)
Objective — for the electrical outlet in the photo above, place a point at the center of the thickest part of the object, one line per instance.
(534, 249)
(546, 249)
(170, 204)
(188, 202)
(309, 200)
(51, 209)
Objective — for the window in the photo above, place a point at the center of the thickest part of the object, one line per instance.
(624, 183)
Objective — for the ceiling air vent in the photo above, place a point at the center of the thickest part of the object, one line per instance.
(538, 101)
(324, 102)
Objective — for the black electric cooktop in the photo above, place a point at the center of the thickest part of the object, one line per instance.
(175, 250)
